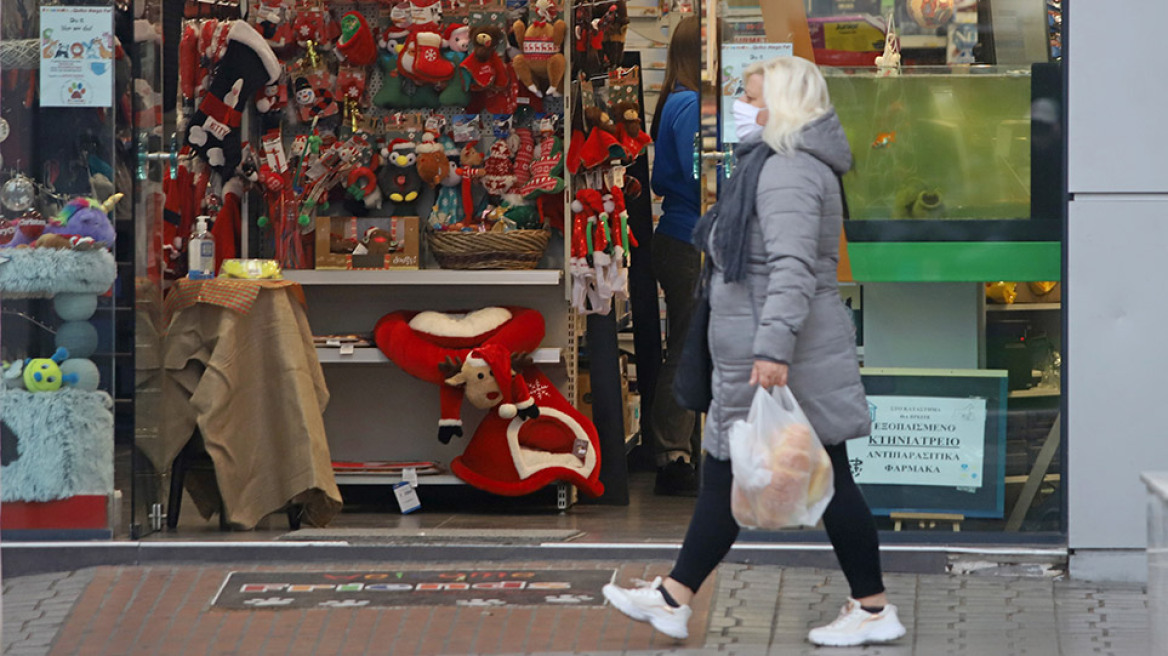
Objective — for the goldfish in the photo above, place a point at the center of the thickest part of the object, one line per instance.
(884, 140)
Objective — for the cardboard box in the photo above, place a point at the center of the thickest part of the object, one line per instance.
(342, 243)
(1027, 295)
(584, 396)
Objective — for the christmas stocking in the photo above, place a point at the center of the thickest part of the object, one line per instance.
(356, 42)
(524, 154)
(546, 169)
(247, 65)
(422, 61)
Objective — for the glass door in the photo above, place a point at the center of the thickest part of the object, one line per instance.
(149, 135)
(944, 105)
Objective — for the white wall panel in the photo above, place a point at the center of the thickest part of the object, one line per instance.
(1117, 378)
(1118, 134)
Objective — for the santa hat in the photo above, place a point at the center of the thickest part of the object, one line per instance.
(429, 144)
(498, 358)
(451, 28)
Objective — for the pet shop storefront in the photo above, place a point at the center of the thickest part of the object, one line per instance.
(427, 224)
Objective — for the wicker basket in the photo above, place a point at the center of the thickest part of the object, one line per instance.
(518, 249)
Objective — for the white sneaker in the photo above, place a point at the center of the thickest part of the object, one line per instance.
(645, 603)
(856, 626)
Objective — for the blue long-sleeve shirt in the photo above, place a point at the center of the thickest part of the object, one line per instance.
(673, 176)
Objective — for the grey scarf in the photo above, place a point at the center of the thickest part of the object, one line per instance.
(733, 211)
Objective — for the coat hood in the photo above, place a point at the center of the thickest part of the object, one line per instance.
(824, 139)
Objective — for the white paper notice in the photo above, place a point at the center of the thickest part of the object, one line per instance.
(77, 57)
(922, 441)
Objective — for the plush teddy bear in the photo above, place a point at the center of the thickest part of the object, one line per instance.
(628, 130)
(540, 65)
(398, 178)
(613, 26)
(489, 77)
(602, 144)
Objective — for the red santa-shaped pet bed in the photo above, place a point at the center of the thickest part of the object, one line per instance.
(533, 436)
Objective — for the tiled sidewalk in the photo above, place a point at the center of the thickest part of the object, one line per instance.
(750, 610)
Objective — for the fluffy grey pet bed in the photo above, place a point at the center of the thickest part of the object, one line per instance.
(56, 444)
(46, 272)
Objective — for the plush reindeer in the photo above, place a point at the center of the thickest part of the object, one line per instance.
(488, 377)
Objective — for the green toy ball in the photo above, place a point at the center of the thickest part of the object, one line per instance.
(304, 220)
(263, 221)
(82, 372)
(75, 306)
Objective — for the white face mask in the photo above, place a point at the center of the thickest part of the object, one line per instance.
(746, 119)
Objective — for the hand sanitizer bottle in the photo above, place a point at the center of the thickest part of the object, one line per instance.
(201, 252)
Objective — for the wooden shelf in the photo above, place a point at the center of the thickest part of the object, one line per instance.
(1025, 307)
(1035, 393)
(425, 277)
(366, 355)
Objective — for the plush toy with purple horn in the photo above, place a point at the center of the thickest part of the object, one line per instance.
(86, 217)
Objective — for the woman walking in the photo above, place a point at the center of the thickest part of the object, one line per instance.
(674, 431)
(776, 319)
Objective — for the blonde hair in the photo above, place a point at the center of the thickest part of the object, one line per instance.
(757, 68)
(795, 94)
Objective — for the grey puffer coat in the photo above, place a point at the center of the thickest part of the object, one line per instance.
(787, 308)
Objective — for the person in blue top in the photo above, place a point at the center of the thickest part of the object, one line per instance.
(674, 431)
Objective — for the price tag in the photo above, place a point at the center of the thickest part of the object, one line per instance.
(346, 349)
(407, 497)
(410, 475)
(333, 343)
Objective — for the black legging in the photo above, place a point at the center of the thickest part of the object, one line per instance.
(849, 523)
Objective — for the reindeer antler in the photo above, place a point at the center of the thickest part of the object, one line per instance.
(450, 366)
(520, 361)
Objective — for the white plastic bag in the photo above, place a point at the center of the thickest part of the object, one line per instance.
(782, 474)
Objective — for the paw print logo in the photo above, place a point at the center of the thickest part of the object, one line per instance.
(269, 602)
(76, 91)
(567, 599)
(481, 602)
(348, 603)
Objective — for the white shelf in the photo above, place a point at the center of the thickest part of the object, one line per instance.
(1024, 307)
(332, 355)
(424, 277)
(383, 479)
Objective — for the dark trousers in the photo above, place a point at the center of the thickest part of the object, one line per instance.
(849, 524)
(675, 431)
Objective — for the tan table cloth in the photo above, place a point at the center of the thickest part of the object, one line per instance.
(239, 364)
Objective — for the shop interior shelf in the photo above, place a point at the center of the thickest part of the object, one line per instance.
(425, 277)
(382, 479)
(330, 355)
(1024, 307)
(1035, 392)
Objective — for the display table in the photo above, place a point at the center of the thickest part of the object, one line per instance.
(240, 367)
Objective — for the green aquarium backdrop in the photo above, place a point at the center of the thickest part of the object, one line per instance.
(936, 143)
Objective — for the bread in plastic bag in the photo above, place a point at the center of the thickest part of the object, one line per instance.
(782, 474)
